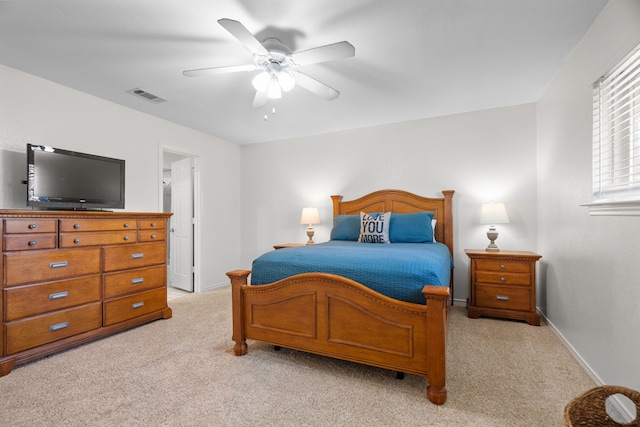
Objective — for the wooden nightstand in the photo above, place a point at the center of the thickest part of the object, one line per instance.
(503, 284)
(288, 245)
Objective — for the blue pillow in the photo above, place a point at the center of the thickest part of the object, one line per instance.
(346, 227)
(411, 228)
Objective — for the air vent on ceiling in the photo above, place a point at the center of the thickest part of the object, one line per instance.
(147, 96)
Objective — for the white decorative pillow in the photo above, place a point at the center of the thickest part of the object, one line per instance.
(433, 226)
(374, 228)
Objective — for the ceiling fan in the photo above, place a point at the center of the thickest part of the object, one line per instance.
(278, 65)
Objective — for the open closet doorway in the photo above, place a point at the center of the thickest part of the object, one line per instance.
(179, 196)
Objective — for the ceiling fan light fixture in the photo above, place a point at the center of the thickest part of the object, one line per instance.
(287, 82)
(261, 81)
(274, 91)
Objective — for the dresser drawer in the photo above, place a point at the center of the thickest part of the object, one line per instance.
(26, 242)
(136, 280)
(503, 278)
(25, 301)
(32, 267)
(151, 224)
(151, 235)
(125, 308)
(505, 266)
(33, 225)
(32, 332)
(80, 224)
(503, 297)
(69, 240)
(134, 256)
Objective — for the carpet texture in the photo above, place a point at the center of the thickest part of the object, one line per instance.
(182, 372)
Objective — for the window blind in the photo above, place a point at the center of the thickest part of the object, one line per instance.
(616, 131)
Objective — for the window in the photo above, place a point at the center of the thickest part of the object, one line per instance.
(616, 139)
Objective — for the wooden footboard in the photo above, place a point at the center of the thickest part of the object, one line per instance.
(334, 316)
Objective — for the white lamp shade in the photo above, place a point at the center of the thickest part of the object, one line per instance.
(261, 81)
(494, 213)
(274, 91)
(286, 81)
(310, 216)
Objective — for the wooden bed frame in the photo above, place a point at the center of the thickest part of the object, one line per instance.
(337, 317)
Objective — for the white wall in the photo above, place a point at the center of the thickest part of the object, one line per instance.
(591, 281)
(482, 155)
(41, 112)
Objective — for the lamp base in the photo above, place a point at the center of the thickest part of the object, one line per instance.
(310, 233)
(492, 234)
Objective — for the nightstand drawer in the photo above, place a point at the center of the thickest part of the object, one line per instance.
(503, 297)
(506, 266)
(503, 278)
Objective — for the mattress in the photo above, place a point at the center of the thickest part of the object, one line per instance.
(397, 270)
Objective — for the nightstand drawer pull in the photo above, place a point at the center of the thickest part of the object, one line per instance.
(59, 295)
(33, 243)
(136, 256)
(502, 266)
(59, 264)
(137, 305)
(126, 225)
(33, 226)
(502, 297)
(137, 280)
(58, 326)
(502, 279)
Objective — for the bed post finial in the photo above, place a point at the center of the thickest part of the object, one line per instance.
(336, 204)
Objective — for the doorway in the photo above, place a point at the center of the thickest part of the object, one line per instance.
(178, 195)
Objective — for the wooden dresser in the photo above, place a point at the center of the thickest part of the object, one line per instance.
(72, 277)
(503, 284)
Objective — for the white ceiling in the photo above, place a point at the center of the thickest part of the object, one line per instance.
(414, 58)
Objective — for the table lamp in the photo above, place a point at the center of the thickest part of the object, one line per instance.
(310, 216)
(493, 213)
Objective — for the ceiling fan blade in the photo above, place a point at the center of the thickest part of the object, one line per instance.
(218, 70)
(325, 53)
(260, 100)
(245, 37)
(314, 86)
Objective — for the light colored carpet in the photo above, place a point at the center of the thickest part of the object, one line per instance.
(182, 372)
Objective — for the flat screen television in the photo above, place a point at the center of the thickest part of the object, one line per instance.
(62, 179)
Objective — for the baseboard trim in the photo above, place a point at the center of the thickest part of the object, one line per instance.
(624, 412)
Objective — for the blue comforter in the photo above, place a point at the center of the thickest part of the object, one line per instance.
(397, 270)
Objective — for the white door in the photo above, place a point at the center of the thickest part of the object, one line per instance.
(181, 246)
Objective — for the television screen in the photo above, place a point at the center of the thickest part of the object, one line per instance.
(62, 179)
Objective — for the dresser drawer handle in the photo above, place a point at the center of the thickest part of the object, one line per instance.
(153, 236)
(502, 279)
(137, 280)
(153, 224)
(59, 295)
(126, 225)
(58, 326)
(76, 226)
(502, 297)
(137, 305)
(33, 226)
(76, 240)
(126, 238)
(502, 266)
(33, 243)
(60, 264)
(138, 255)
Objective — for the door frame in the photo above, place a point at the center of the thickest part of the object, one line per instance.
(197, 206)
